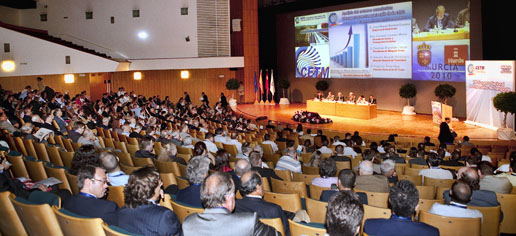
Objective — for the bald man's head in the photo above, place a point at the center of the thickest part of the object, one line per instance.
(366, 168)
(461, 192)
(217, 190)
(241, 167)
(251, 184)
(470, 176)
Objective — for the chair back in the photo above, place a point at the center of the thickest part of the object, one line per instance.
(59, 140)
(68, 144)
(109, 143)
(183, 211)
(449, 226)
(58, 173)
(186, 157)
(288, 202)
(35, 169)
(182, 183)
(415, 179)
(412, 171)
(316, 191)
(132, 148)
(427, 181)
(41, 151)
(426, 204)
(297, 177)
(38, 219)
(124, 158)
(168, 167)
(165, 201)
(316, 210)
(266, 185)
(184, 150)
(66, 157)
(157, 147)
(372, 212)
(182, 170)
(400, 168)
(18, 169)
(376, 199)
(121, 146)
(116, 194)
(426, 192)
(168, 179)
(76, 146)
(267, 149)
(10, 225)
(128, 169)
(72, 180)
(72, 225)
(439, 192)
(132, 141)
(40, 197)
(279, 186)
(276, 223)
(508, 204)
(54, 156)
(490, 219)
(29, 146)
(142, 161)
(20, 146)
(301, 229)
(114, 231)
(285, 175)
(309, 170)
(231, 149)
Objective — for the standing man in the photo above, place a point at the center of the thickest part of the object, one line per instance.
(205, 99)
(241, 92)
(223, 100)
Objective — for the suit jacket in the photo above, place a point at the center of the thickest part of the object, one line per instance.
(447, 22)
(7, 126)
(219, 221)
(61, 123)
(341, 158)
(190, 195)
(263, 209)
(267, 172)
(482, 198)
(372, 183)
(74, 136)
(145, 154)
(149, 220)
(326, 195)
(396, 226)
(92, 207)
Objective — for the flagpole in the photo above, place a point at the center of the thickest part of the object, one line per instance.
(272, 88)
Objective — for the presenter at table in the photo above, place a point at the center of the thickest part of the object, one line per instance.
(440, 20)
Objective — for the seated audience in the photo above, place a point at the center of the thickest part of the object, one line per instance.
(457, 207)
(196, 170)
(289, 162)
(86, 155)
(110, 163)
(388, 168)
(483, 198)
(255, 159)
(324, 148)
(169, 153)
(315, 159)
(511, 174)
(267, 140)
(76, 132)
(345, 182)
(344, 214)
(434, 170)
(142, 214)
(366, 181)
(147, 147)
(327, 171)
(489, 182)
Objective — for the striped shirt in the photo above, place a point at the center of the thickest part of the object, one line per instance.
(288, 163)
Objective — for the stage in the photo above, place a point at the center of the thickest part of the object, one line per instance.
(386, 122)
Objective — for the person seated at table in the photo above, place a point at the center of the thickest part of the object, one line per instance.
(330, 96)
(351, 97)
(463, 17)
(440, 20)
(361, 100)
(319, 96)
(372, 99)
(340, 97)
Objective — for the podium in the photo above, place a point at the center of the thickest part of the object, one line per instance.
(440, 112)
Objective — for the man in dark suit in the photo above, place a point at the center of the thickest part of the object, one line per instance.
(440, 20)
(196, 171)
(483, 198)
(256, 162)
(345, 183)
(146, 151)
(339, 155)
(252, 189)
(92, 182)
(369, 182)
(403, 198)
(205, 99)
(218, 196)
(372, 100)
(76, 132)
(223, 100)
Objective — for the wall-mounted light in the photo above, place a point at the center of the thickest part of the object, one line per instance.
(185, 74)
(143, 35)
(69, 78)
(137, 75)
(8, 65)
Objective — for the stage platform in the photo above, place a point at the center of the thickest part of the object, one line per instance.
(386, 122)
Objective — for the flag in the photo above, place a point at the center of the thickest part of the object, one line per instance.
(273, 89)
(267, 82)
(260, 83)
(255, 85)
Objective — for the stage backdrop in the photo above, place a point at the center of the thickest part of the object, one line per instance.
(484, 80)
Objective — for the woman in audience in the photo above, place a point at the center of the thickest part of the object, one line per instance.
(89, 138)
(142, 214)
(222, 161)
(315, 159)
(327, 171)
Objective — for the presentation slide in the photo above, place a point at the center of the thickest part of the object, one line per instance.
(312, 53)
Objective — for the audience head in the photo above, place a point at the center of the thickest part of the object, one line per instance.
(325, 142)
(144, 184)
(433, 160)
(292, 153)
(79, 127)
(465, 138)
(368, 155)
(461, 192)
(86, 155)
(344, 214)
(242, 166)
(147, 145)
(473, 160)
(404, 198)
(347, 179)
(485, 168)
(412, 152)
(246, 147)
(255, 159)
(109, 162)
(92, 180)
(327, 168)
(251, 183)
(200, 149)
(366, 168)
(218, 190)
(197, 169)
(221, 160)
(339, 149)
(469, 175)
(387, 167)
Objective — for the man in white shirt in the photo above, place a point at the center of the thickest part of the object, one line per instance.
(246, 150)
(348, 149)
(289, 162)
(324, 148)
(234, 141)
(210, 145)
(435, 171)
(267, 138)
(219, 136)
(336, 141)
(460, 196)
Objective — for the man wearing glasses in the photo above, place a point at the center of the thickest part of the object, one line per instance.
(92, 182)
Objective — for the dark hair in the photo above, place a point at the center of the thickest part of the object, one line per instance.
(347, 178)
(344, 214)
(485, 168)
(221, 160)
(215, 188)
(327, 168)
(85, 172)
(339, 149)
(86, 155)
(466, 138)
(471, 177)
(141, 186)
(290, 143)
(433, 160)
(461, 192)
(412, 152)
(77, 125)
(199, 148)
(404, 198)
(473, 160)
(208, 136)
(368, 155)
(249, 186)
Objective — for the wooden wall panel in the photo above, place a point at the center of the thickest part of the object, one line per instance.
(251, 46)
(169, 83)
(18, 83)
(97, 85)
